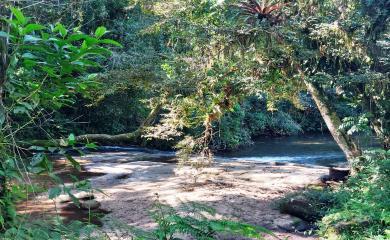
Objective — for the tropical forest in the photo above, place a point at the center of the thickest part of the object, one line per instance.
(194, 119)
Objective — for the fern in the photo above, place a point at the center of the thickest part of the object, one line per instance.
(195, 220)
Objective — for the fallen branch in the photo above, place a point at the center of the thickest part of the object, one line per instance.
(102, 139)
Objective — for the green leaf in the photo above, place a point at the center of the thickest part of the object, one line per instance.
(29, 56)
(71, 139)
(100, 31)
(91, 145)
(110, 41)
(37, 159)
(54, 192)
(32, 27)
(61, 29)
(30, 38)
(20, 109)
(19, 15)
(4, 34)
(74, 163)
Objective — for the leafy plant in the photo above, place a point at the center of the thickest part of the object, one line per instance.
(195, 220)
(45, 67)
(362, 209)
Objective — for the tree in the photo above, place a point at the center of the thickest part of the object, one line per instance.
(43, 68)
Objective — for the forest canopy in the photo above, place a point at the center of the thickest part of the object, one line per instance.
(196, 76)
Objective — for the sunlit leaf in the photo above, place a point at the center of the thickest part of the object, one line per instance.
(19, 15)
(100, 31)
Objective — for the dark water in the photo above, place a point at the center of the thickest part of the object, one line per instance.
(315, 149)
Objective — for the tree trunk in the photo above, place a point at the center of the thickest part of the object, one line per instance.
(333, 122)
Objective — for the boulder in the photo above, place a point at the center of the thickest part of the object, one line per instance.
(336, 174)
(90, 204)
(293, 225)
(300, 207)
(80, 196)
(339, 174)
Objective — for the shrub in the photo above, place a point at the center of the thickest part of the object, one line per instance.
(363, 202)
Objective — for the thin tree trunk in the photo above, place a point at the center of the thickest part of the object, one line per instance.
(333, 122)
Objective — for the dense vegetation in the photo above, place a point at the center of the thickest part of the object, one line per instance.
(198, 76)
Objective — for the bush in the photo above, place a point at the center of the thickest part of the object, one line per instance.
(363, 202)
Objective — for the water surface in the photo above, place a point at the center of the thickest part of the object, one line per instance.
(317, 149)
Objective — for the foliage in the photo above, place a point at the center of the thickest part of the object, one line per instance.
(362, 204)
(195, 220)
(45, 67)
(53, 231)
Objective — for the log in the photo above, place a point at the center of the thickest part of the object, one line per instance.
(103, 139)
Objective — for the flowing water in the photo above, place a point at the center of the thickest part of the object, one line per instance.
(316, 149)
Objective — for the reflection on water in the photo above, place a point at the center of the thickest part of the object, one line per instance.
(310, 149)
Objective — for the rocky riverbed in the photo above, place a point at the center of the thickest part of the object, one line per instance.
(239, 190)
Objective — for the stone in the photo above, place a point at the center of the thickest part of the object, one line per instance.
(286, 224)
(90, 204)
(299, 207)
(339, 174)
(81, 196)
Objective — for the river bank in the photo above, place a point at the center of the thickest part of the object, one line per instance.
(240, 190)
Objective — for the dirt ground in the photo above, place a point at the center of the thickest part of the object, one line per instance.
(241, 190)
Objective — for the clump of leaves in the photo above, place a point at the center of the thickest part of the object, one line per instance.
(363, 204)
(44, 230)
(194, 220)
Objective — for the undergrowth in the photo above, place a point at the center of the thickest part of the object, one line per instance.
(194, 220)
(358, 209)
(363, 202)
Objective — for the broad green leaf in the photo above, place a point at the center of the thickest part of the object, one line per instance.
(30, 38)
(20, 109)
(29, 56)
(61, 29)
(110, 41)
(54, 192)
(4, 34)
(19, 15)
(100, 31)
(32, 27)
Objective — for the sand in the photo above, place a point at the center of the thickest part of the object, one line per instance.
(242, 190)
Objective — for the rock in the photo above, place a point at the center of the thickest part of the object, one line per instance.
(345, 225)
(339, 174)
(286, 224)
(304, 226)
(299, 207)
(336, 174)
(90, 204)
(294, 225)
(80, 196)
(279, 163)
(123, 176)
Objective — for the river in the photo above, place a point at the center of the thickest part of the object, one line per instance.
(315, 149)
